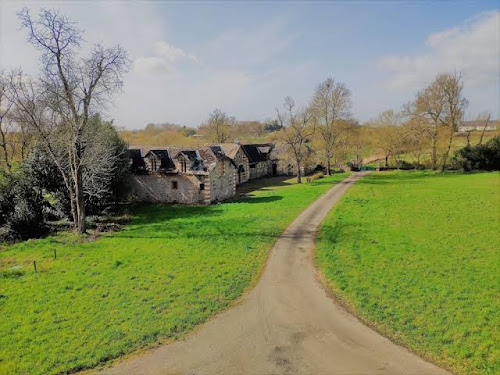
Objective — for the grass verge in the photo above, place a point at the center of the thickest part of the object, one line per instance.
(416, 255)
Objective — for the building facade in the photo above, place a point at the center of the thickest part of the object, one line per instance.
(192, 176)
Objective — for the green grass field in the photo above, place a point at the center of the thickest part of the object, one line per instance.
(170, 269)
(417, 255)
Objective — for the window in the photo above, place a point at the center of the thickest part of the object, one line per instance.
(174, 185)
(153, 164)
(202, 186)
(252, 166)
(183, 165)
(221, 168)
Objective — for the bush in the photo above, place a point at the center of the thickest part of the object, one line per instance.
(21, 207)
(315, 177)
(402, 164)
(480, 157)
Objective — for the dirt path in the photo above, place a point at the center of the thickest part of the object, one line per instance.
(285, 325)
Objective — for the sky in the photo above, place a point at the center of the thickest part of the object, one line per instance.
(188, 58)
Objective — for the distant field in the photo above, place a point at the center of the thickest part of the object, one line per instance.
(170, 269)
(418, 255)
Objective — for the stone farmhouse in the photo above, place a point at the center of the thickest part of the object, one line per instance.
(196, 176)
(174, 175)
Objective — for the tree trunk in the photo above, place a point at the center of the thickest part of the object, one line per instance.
(445, 156)
(5, 152)
(80, 203)
(434, 152)
(299, 173)
(328, 166)
(386, 161)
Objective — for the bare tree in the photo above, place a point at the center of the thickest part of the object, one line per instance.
(417, 138)
(358, 140)
(388, 136)
(441, 104)
(331, 103)
(218, 126)
(298, 128)
(486, 120)
(454, 106)
(58, 106)
(6, 125)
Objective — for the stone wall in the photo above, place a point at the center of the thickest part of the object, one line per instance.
(261, 169)
(241, 159)
(290, 169)
(222, 182)
(161, 188)
(217, 186)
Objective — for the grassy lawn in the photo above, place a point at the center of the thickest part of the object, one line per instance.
(418, 256)
(170, 269)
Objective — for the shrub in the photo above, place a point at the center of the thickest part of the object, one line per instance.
(403, 164)
(21, 207)
(480, 157)
(315, 177)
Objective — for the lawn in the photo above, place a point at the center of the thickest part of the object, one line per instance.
(169, 269)
(417, 255)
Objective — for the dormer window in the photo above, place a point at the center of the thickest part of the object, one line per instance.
(183, 165)
(153, 164)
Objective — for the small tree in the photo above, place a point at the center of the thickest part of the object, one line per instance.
(218, 126)
(59, 105)
(417, 139)
(297, 132)
(387, 134)
(331, 103)
(485, 119)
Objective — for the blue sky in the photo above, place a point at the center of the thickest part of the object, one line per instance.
(245, 57)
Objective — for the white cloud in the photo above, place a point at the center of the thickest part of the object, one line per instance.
(173, 54)
(472, 48)
(165, 59)
(153, 65)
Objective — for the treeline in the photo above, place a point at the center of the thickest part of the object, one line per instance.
(424, 133)
(227, 129)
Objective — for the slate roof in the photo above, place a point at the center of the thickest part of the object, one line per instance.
(166, 161)
(230, 149)
(137, 164)
(202, 160)
(257, 153)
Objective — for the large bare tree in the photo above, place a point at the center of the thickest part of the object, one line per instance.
(71, 88)
(442, 105)
(298, 128)
(331, 103)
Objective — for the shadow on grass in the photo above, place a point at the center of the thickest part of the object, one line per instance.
(261, 184)
(253, 199)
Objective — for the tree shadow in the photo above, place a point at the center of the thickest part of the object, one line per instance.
(254, 199)
(266, 183)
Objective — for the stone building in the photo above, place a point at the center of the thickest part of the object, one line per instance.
(285, 164)
(259, 160)
(476, 125)
(175, 175)
(235, 152)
